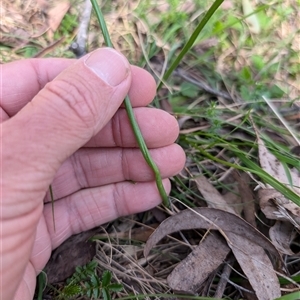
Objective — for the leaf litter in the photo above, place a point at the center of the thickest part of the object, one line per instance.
(272, 203)
(247, 244)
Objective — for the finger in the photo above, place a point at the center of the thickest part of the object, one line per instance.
(58, 121)
(61, 118)
(90, 167)
(22, 80)
(26, 287)
(89, 208)
(158, 128)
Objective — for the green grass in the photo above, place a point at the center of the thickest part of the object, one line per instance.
(228, 56)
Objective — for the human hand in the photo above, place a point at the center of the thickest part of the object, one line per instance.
(62, 125)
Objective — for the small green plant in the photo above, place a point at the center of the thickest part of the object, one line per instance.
(86, 282)
(68, 25)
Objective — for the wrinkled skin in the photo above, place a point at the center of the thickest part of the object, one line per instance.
(62, 124)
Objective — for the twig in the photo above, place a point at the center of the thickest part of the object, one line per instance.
(49, 48)
(224, 277)
(79, 47)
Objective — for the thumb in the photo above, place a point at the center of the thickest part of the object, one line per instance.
(67, 112)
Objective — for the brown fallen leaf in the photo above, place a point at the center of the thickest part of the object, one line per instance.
(257, 267)
(277, 207)
(272, 203)
(246, 242)
(213, 198)
(55, 16)
(247, 198)
(238, 199)
(190, 273)
(216, 200)
(20, 21)
(273, 166)
(282, 234)
(208, 255)
(76, 251)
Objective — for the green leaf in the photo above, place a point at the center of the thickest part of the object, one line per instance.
(105, 294)
(89, 293)
(88, 285)
(42, 283)
(245, 93)
(284, 281)
(292, 296)
(106, 278)
(95, 280)
(96, 293)
(70, 291)
(258, 62)
(135, 127)
(189, 90)
(280, 187)
(115, 287)
(276, 91)
(246, 74)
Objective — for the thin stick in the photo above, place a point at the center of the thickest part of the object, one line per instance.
(79, 47)
(133, 122)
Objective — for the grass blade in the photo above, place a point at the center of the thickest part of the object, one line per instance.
(255, 169)
(189, 44)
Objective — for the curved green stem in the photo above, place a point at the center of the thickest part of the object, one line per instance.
(145, 151)
(189, 44)
(134, 124)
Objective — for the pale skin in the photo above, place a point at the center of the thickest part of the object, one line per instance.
(62, 124)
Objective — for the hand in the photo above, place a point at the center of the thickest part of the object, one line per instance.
(62, 124)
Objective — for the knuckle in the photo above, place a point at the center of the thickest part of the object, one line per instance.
(79, 99)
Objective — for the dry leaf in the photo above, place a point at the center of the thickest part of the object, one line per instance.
(190, 273)
(244, 240)
(213, 198)
(235, 201)
(277, 207)
(76, 251)
(274, 167)
(272, 203)
(55, 16)
(246, 195)
(282, 234)
(257, 267)
(20, 21)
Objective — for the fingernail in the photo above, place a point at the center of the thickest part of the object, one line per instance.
(109, 65)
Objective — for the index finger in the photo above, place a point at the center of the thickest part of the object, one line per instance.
(22, 80)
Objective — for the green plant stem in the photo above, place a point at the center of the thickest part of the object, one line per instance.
(189, 44)
(129, 110)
